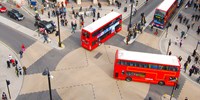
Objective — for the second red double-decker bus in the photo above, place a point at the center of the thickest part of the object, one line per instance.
(163, 12)
(146, 67)
(101, 30)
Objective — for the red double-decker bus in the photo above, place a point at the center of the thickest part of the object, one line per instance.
(146, 67)
(163, 12)
(101, 30)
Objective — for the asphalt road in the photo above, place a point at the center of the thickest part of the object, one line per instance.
(14, 38)
(27, 22)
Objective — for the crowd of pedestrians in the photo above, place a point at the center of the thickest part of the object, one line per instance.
(191, 65)
(12, 62)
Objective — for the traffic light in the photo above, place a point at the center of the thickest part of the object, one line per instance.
(7, 82)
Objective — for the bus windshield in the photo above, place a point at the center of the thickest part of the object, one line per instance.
(159, 17)
(86, 35)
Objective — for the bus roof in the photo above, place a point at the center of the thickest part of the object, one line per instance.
(165, 5)
(100, 22)
(148, 57)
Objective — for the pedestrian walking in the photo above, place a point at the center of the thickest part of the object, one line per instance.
(182, 34)
(45, 35)
(192, 25)
(16, 62)
(188, 27)
(176, 41)
(180, 58)
(176, 28)
(98, 15)
(8, 63)
(66, 22)
(12, 61)
(198, 30)
(23, 47)
(24, 70)
(186, 22)
(170, 53)
(4, 96)
(185, 66)
(10, 57)
(191, 71)
(53, 14)
(181, 42)
(17, 71)
(94, 12)
(136, 3)
(196, 59)
(49, 15)
(21, 53)
(196, 17)
(99, 5)
(189, 59)
(193, 17)
(20, 70)
(180, 16)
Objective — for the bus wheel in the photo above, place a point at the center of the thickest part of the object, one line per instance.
(128, 79)
(161, 83)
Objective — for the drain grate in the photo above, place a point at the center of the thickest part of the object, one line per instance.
(97, 55)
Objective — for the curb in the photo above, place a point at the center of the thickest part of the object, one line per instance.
(18, 60)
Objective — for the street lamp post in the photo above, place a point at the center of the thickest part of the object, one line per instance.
(8, 83)
(59, 38)
(175, 86)
(47, 73)
(130, 25)
(169, 44)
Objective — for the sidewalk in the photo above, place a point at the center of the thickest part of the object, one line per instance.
(189, 44)
(9, 73)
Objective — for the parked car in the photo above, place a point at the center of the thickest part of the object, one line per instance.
(15, 15)
(2, 8)
(47, 25)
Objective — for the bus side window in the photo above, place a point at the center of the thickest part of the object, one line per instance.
(136, 64)
(160, 67)
(145, 65)
(140, 65)
(164, 68)
(131, 63)
(128, 63)
(153, 66)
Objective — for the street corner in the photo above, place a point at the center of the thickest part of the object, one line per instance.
(9, 78)
(34, 52)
